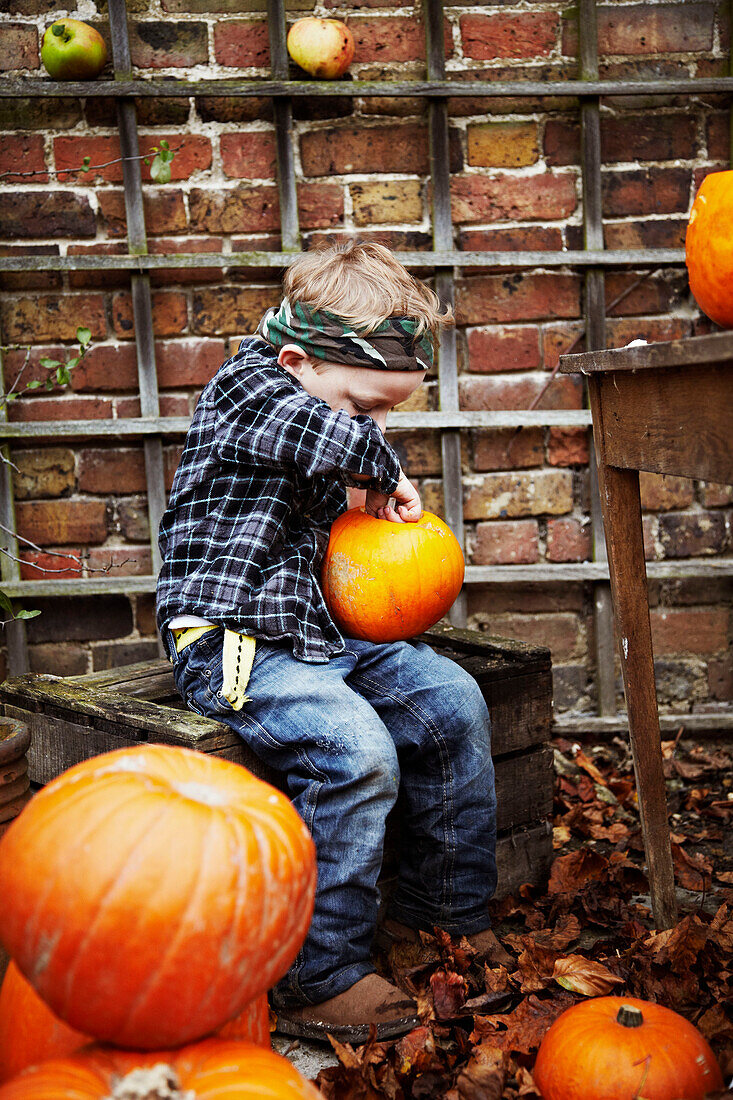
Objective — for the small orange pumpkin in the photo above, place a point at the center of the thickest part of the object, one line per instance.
(30, 1033)
(385, 581)
(208, 1070)
(155, 892)
(709, 248)
(610, 1048)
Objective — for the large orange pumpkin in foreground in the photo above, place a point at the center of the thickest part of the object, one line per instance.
(612, 1048)
(385, 581)
(709, 248)
(155, 892)
(30, 1033)
(209, 1070)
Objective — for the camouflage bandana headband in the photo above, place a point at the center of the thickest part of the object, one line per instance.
(391, 346)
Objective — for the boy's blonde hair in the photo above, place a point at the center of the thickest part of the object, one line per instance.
(363, 283)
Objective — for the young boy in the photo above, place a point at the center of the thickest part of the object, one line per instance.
(287, 423)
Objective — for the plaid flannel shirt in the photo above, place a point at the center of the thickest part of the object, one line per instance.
(261, 479)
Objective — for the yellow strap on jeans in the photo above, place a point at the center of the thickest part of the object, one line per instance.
(237, 657)
(188, 635)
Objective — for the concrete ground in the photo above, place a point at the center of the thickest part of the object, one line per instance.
(307, 1057)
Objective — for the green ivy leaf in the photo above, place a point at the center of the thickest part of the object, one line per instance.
(71, 363)
(160, 170)
(62, 375)
(49, 384)
(34, 385)
(5, 604)
(83, 335)
(50, 364)
(27, 614)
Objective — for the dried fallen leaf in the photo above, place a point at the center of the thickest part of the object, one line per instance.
(686, 770)
(484, 1075)
(536, 964)
(487, 1002)
(585, 976)
(624, 789)
(415, 1052)
(679, 948)
(356, 1076)
(718, 760)
(564, 932)
(587, 764)
(526, 1085)
(722, 917)
(571, 872)
(345, 1053)
(692, 869)
(522, 1029)
(425, 1007)
(463, 953)
(496, 979)
(615, 832)
(449, 993)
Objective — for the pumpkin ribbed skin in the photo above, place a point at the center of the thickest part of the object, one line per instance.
(30, 1033)
(587, 1055)
(210, 1070)
(385, 581)
(155, 892)
(709, 247)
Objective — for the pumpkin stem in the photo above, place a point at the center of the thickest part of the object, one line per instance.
(629, 1016)
(158, 1082)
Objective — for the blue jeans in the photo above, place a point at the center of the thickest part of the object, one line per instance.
(349, 736)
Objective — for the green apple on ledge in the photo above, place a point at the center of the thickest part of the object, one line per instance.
(72, 50)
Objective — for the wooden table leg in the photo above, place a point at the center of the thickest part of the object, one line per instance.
(621, 505)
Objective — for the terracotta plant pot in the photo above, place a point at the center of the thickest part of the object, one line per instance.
(15, 737)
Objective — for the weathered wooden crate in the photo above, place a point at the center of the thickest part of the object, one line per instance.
(77, 717)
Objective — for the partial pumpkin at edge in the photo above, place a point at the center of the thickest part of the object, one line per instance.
(709, 248)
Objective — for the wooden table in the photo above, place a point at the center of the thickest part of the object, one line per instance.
(667, 408)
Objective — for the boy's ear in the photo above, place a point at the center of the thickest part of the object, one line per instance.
(292, 359)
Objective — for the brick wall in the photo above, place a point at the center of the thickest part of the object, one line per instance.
(362, 166)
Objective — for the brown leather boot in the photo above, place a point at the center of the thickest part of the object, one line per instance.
(489, 948)
(347, 1016)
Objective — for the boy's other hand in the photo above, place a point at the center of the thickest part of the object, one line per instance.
(408, 507)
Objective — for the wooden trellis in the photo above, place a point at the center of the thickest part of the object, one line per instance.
(444, 260)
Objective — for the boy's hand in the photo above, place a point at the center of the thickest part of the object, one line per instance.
(407, 499)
